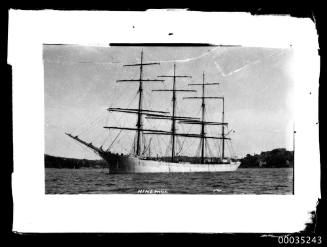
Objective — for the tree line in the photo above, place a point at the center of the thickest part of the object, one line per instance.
(276, 158)
(61, 162)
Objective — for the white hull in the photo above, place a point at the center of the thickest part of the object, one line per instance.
(127, 164)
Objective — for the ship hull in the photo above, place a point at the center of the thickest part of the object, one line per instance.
(128, 164)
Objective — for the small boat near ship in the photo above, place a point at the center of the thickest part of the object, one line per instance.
(139, 160)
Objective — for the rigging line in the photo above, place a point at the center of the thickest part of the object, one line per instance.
(134, 143)
(99, 120)
(132, 100)
(232, 149)
(98, 138)
(158, 146)
(85, 150)
(115, 94)
(164, 140)
(120, 139)
(178, 144)
(191, 125)
(126, 150)
(89, 131)
(162, 147)
(205, 154)
(122, 99)
(229, 150)
(181, 144)
(198, 149)
(161, 143)
(205, 148)
(84, 128)
(106, 133)
(207, 116)
(122, 115)
(147, 148)
(166, 144)
(218, 147)
(188, 147)
(170, 145)
(144, 145)
(132, 147)
(91, 125)
(153, 148)
(108, 149)
(156, 149)
(210, 150)
(185, 139)
(234, 153)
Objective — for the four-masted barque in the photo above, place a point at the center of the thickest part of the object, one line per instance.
(137, 161)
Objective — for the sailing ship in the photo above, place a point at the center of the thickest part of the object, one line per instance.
(137, 161)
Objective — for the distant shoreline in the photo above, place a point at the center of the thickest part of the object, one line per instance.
(277, 158)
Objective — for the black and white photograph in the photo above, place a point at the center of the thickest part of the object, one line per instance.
(168, 119)
(163, 121)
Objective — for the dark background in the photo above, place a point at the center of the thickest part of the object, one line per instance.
(318, 225)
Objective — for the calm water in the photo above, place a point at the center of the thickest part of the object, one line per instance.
(98, 181)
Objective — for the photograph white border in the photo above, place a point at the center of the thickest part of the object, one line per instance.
(34, 211)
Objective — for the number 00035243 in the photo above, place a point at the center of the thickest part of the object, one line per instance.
(301, 240)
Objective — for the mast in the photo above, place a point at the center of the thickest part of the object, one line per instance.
(139, 111)
(204, 123)
(203, 105)
(161, 115)
(173, 117)
(173, 122)
(139, 115)
(223, 130)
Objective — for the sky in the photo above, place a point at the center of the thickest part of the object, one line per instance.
(80, 84)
